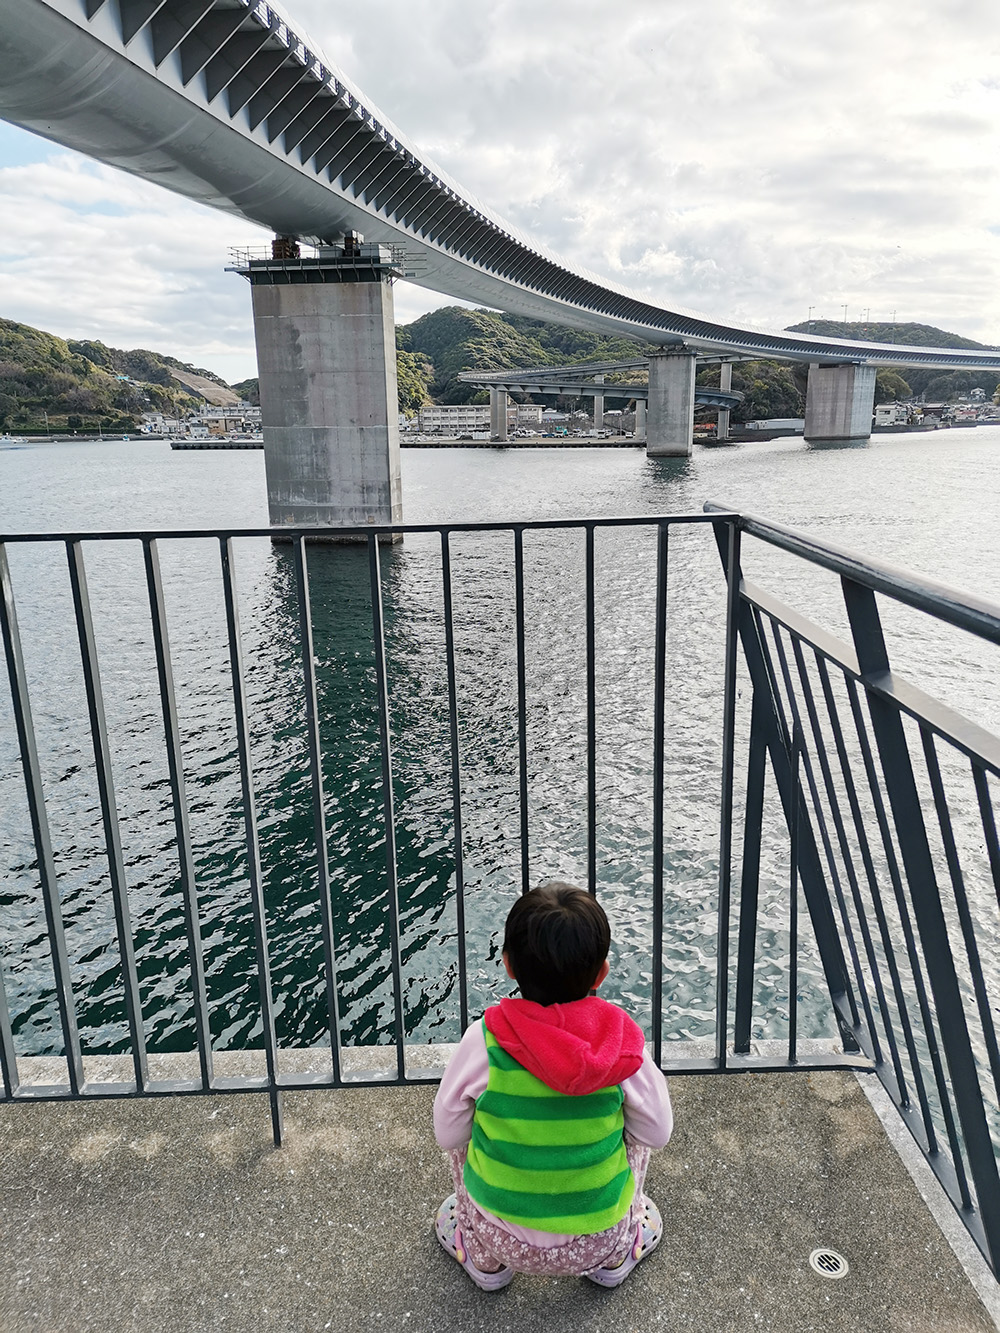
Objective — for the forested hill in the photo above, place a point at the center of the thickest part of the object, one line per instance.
(80, 384)
(912, 335)
(454, 339)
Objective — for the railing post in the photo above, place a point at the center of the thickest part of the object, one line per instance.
(918, 865)
(733, 575)
(48, 878)
(750, 882)
(388, 804)
(775, 731)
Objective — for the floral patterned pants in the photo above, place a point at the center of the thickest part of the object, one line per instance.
(488, 1244)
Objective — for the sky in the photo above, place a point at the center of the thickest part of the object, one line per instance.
(762, 160)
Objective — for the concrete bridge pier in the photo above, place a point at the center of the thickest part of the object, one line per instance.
(498, 414)
(839, 404)
(326, 357)
(598, 405)
(640, 418)
(670, 425)
(725, 382)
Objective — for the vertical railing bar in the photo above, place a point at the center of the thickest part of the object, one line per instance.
(733, 578)
(774, 728)
(989, 824)
(388, 802)
(175, 766)
(8, 1055)
(793, 906)
(591, 716)
(254, 872)
(921, 879)
(840, 830)
(109, 808)
(522, 710)
(456, 777)
(962, 902)
(35, 791)
(876, 896)
(318, 801)
(824, 833)
(753, 822)
(895, 878)
(659, 711)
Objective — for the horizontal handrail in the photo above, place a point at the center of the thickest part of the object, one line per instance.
(964, 610)
(374, 529)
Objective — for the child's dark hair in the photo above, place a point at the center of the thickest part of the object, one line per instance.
(556, 939)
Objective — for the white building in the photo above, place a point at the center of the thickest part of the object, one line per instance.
(455, 418)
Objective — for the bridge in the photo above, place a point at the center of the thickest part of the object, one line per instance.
(589, 381)
(225, 102)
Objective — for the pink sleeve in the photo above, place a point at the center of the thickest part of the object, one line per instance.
(464, 1080)
(649, 1118)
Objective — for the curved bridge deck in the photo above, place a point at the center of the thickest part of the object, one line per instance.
(225, 102)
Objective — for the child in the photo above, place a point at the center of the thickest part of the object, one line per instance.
(548, 1111)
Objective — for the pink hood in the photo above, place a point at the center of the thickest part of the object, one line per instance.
(575, 1048)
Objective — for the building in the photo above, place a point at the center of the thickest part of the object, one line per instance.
(529, 414)
(233, 419)
(454, 418)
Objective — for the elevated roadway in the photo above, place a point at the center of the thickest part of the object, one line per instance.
(229, 103)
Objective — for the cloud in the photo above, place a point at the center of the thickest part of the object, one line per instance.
(747, 159)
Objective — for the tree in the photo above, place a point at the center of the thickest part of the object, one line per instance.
(890, 387)
(414, 373)
(770, 389)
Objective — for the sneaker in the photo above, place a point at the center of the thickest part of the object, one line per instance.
(450, 1235)
(647, 1237)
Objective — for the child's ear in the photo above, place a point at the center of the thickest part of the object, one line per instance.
(604, 970)
(510, 970)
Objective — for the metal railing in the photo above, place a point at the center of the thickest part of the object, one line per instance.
(869, 769)
(862, 823)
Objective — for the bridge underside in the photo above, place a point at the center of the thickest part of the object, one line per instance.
(669, 392)
(223, 102)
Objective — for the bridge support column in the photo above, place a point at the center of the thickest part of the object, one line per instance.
(326, 357)
(725, 382)
(498, 414)
(839, 403)
(640, 419)
(670, 426)
(598, 405)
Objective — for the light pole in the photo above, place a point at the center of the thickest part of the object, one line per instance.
(810, 320)
(845, 313)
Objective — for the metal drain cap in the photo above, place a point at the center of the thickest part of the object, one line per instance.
(828, 1263)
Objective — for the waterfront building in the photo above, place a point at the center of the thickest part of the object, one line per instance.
(455, 418)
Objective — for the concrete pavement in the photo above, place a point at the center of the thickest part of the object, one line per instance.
(177, 1215)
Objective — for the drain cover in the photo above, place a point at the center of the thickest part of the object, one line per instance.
(828, 1263)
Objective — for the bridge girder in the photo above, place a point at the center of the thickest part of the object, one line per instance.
(137, 83)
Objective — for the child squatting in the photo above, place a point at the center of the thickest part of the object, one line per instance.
(549, 1110)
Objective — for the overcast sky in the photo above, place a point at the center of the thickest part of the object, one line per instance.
(753, 158)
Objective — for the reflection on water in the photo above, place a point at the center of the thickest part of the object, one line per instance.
(830, 491)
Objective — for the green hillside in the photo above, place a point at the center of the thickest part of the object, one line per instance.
(79, 385)
(49, 383)
(454, 339)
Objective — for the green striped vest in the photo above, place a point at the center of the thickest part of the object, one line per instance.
(544, 1159)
